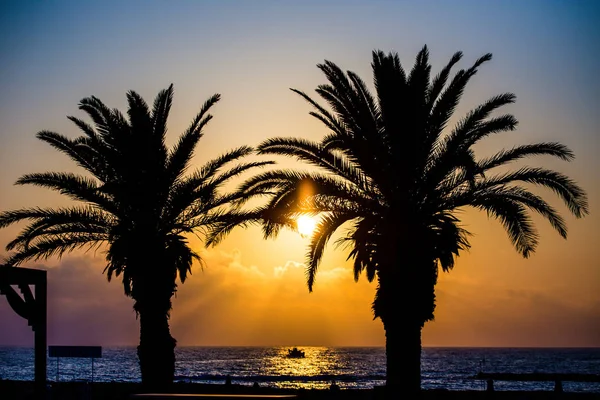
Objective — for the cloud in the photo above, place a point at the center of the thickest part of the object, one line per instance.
(231, 303)
(279, 271)
(83, 308)
(488, 315)
(234, 302)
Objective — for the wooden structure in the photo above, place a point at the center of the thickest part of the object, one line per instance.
(558, 379)
(32, 307)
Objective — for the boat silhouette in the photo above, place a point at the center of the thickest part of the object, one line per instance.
(295, 353)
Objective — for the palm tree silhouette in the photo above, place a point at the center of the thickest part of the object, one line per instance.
(138, 201)
(391, 172)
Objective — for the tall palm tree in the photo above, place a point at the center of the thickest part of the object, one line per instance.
(137, 201)
(393, 173)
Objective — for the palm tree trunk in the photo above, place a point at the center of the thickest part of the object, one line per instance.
(156, 351)
(403, 355)
(404, 301)
(152, 292)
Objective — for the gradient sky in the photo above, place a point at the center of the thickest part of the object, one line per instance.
(252, 291)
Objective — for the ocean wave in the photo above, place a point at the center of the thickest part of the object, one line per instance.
(361, 368)
(280, 378)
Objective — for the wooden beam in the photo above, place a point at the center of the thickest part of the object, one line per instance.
(32, 307)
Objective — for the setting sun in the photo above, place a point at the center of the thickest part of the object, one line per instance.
(306, 225)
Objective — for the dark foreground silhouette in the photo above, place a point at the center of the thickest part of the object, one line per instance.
(23, 390)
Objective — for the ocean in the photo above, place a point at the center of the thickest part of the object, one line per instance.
(350, 367)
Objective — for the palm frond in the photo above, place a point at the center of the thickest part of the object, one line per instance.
(447, 101)
(476, 117)
(237, 170)
(68, 147)
(75, 186)
(369, 107)
(98, 112)
(535, 203)
(220, 225)
(177, 249)
(390, 81)
(54, 247)
(214, 166)
(55, 216)
(160, 111)
(182, 152)
(331, 121)
(441, 162)
(86, 128)
(448, 240)
(499, 124)
(203, 184)
(49, 228)
(139, 114)
(465, 132)
(545, 148)
(362, 248)
(289, 183)
(418, 84)
(439, 81)
(315, 154)
(567, 189)
(514, 217)
(390, 84)
(338, 93)
(326, 227)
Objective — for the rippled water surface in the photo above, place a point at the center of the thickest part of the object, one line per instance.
(350, 367)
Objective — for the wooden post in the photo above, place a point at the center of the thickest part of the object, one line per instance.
(40, 336)
(33, 309)
(558, 386)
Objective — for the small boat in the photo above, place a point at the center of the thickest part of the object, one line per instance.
(295, 353)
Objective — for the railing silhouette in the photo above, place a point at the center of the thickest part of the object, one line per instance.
(557, 378)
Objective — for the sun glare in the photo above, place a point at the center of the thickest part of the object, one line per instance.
(306, 225)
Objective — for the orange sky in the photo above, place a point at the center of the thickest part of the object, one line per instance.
(253, 291)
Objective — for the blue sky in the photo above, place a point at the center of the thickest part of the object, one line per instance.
(54, 53)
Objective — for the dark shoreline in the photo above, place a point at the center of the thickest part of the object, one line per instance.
(23, 390)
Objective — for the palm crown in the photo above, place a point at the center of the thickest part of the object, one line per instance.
(391, 156)
(136, 192)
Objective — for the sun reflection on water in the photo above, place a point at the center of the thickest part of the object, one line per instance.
(318, 364)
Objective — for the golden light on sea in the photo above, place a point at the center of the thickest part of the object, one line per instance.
(319, 362)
